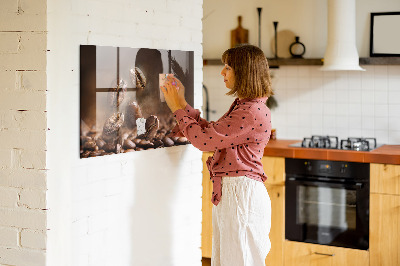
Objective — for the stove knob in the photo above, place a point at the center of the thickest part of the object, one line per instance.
(308, 166)
(343, 168)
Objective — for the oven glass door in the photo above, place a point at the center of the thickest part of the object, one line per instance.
(327, 213)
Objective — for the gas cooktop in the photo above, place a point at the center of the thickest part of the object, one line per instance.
(332, 142)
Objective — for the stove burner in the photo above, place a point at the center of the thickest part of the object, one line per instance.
(358, 144)
(328, 142)
(332, 142)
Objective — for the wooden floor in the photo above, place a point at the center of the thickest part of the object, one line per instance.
(206, 261)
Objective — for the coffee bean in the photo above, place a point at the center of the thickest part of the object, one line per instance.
(157, 143)
(115, 96)
(152, 125)
(182, 141)
(109, 147)
(168, 142)
(95, 153)
(89, 145)
(100, 142)
(132, 112)
(137, 140)
(85, 154)
(112, 126)
(129, 144)
(145, 144)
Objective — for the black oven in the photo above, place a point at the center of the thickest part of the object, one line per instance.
(327, 202)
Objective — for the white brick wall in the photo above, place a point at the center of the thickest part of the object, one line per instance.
(123, 209)
(23, 126)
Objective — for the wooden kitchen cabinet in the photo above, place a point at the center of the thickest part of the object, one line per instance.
(384, 236)
(274, 168)
(305, 254)
(206, 232)
(277, 233)
(385, 215)
(385, 178)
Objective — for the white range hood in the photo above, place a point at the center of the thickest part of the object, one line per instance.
(341, 51)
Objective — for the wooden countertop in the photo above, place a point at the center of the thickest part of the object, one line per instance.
(389, 154)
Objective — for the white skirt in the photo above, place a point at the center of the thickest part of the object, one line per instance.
(241, 223)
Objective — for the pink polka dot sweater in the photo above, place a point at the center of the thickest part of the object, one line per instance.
(238, 140)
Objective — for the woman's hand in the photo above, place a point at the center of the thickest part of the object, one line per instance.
(181, 91)
(172, 96)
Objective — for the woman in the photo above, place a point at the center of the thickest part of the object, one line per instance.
(242, 208)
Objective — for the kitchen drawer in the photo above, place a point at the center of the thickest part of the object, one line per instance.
(305, 254)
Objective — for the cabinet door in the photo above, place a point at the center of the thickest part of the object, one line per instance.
(206, 232)
(384, 230)
(304, 254)
(274, 168)
(385, 178)
(277, 233)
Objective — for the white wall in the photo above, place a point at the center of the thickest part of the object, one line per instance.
(311, 102)
(23, 133)
(141, 208)
(306, 19)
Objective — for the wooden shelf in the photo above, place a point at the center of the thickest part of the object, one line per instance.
(380, 61)
(273, 63)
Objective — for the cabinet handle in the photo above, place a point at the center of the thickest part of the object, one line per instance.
(324, 254)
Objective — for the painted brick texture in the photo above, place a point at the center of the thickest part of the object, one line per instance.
(140, 208)
(23, 125)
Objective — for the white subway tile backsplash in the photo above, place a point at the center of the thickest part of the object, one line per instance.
(381, 136)
(355, 96)
(342, 96)
(345, 102)
(394, 110)
(291, 71)
(342, 122)
(381, 110)
(292, 82)
(342, 109)
(367, 133)
(394, 97)
(367, 110)
(354, 80)
(368, 123)
(381, 97)
(381, 84)
(329, 109)
(393, 71)
(304, 82)
(394, 82)
(367, 96)
(380, 71)
(304, 72)
(394, 136)
(394, 123)
(381, 123)
(355, 122)
(355, 132)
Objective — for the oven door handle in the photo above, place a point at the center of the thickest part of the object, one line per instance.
(357, 185)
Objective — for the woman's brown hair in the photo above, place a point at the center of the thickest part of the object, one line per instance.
(250, 66)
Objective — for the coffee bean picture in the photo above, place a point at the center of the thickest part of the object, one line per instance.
(121, 109)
